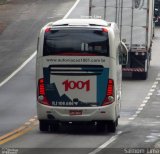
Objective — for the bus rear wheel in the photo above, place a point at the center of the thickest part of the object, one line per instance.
(101, 126)
(54, 126)
(111, 126)
(43, 125)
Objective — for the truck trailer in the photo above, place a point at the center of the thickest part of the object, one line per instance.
(135, 21)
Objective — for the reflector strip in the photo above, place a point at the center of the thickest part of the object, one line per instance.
(133, 70)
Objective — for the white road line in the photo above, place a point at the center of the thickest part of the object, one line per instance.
(140, 109)
(147, 98)
(158, 79)
(150, 94)
(152, 90)
(34, 54)
(142, 105)
(145, 101)
(17, 70)
(155, 83)
(66, 16)
(154, 86)
(103, 146)
(131, 118)
(138, 112)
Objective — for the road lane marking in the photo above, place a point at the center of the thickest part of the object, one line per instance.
(158, 78)
(140, 108)
(156, 82)
(103, 146)
(132, 118)
(18, 132)
(147, 98)
(154, 86)
(152, 90)
(150, 93)
(145, 101)
(11, 133)
(138, 112)
(17, 70)
(143, 105)
(15, 135)
(74, 6)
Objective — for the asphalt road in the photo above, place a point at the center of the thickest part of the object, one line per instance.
(139, 125)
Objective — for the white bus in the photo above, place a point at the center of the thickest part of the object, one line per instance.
(78, 73)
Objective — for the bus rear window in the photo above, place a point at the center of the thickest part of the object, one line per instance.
(62, 41)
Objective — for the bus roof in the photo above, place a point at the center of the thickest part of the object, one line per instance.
(80, 22)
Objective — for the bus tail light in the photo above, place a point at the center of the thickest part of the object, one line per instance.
(41, 97)
(47, 30)
(105, 30)
(110, 96)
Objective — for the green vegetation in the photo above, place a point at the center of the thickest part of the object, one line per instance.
(3, 2)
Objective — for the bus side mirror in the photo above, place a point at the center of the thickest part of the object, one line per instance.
(123, 54)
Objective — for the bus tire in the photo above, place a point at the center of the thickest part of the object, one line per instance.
(54, 126)
(101, 126)
(111, 126)
(144, 75)
(117, 122)
(43, 125)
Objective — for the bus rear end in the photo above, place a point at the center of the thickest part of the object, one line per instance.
(73, 80)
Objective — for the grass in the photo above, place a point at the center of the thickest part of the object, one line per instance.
(3, 2)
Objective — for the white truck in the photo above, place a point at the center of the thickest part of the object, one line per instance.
(135, 21)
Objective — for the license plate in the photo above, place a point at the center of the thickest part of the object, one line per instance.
(75, 112)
